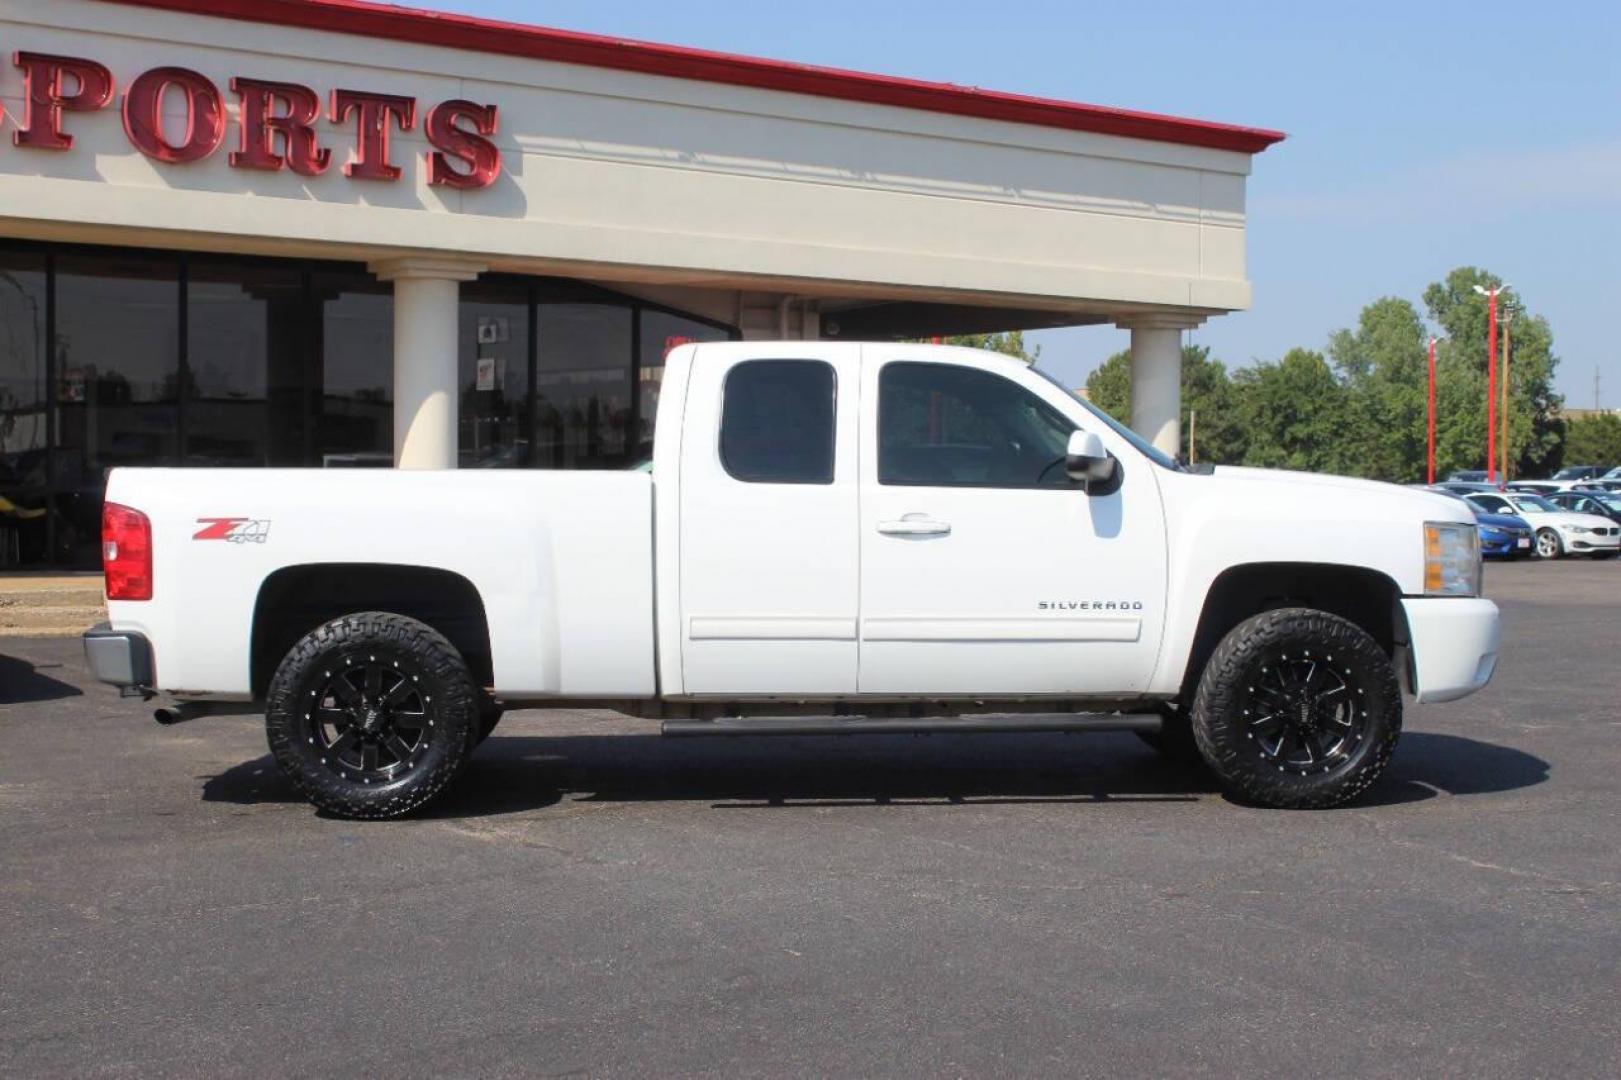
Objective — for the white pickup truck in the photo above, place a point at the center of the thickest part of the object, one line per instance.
(830, 538)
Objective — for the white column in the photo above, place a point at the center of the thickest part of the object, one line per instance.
(1156, 377)
(427, 294)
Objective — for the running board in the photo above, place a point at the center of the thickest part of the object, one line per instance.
(942, 725)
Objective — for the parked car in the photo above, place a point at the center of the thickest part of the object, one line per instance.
(1559, 532)
(1461, 487)
(1580, 472)
(1548, 487)
(1600, 503)
(1467, 476)
(835, 538)
(1502, 536)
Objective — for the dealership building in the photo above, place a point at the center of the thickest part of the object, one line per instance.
(327, 233)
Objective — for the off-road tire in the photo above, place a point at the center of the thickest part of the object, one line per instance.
(450, 713)
(1557, 547)
(1224, 730)
(1174, 740)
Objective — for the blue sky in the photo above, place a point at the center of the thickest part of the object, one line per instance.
(1423, 135)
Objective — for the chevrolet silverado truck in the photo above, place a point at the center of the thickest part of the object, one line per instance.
(829, 538)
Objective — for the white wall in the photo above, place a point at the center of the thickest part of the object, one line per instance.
(621, 176)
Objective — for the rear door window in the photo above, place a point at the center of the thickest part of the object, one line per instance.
(777, 422)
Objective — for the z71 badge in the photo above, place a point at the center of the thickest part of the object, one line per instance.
(234, 530)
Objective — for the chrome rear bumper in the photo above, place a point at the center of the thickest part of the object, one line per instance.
(120, 657)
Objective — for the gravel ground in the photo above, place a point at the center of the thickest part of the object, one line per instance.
(592, 899)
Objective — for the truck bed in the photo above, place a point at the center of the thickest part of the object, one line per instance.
(562, 563)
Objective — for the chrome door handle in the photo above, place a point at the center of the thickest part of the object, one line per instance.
(915, 525)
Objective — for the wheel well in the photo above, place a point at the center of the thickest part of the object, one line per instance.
(296, 599)
(1365, 597)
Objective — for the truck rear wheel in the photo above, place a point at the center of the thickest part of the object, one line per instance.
(1297, 709)
(371, 715)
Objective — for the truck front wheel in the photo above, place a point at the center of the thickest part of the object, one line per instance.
(371, 715)
(1297, 709)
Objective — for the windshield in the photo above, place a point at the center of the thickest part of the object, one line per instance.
(1534, 503)
(1146, 448)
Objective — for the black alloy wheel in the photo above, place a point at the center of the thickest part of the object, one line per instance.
(371, 715)
(1305, 713)
(1297, 709)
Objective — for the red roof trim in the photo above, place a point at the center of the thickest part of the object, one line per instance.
(376, 20)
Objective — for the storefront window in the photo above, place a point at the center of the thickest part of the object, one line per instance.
(24, 494)
(493, 368)
(118, 379)
(583, 386)
(219, 361)
(662, 331)
(246, 337)
(356, 365)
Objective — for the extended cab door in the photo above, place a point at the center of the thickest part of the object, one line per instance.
(768, 520)
(984, 568)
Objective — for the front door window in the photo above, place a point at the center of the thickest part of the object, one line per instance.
(946, 426)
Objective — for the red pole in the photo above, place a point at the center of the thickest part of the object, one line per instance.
(1432, 411)
(1491, 385)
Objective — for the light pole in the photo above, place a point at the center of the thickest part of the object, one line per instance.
(1508, 321)
(1431, 457)
(1491, 377)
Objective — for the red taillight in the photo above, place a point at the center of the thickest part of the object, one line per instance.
(126, 552)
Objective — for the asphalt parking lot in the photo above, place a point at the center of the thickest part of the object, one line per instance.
(595, 900)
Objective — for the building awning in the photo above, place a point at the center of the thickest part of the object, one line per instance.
(466, 32)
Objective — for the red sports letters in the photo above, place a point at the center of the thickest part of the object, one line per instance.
(277, 122)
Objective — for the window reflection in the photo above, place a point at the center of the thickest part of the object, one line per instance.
(245, 350)
(117, 363)
(118, 383)
(24, 494)
(354, 357)
(213, 360)
(583, 386)
(662, 333)
(493, 369)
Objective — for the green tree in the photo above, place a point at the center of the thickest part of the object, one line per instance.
(1593, 440)
(1109, 386)
(1293, 413)
(1207, 392)
(1535, 429)
(1009, 342)
(1382, 366)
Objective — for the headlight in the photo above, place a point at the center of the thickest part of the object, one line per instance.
(1451, 559)
(1582, 530)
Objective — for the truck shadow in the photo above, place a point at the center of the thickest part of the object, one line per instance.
(521, 773)
(22, 682)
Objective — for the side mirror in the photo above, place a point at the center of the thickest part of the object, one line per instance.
(1087, 461)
